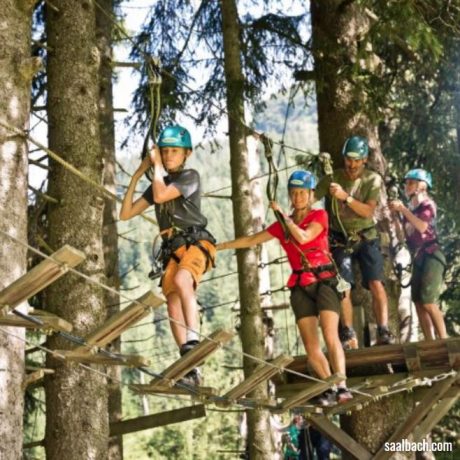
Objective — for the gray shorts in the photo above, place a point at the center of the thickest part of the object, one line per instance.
(310, 300)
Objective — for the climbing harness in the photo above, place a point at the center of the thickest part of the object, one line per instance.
(173, 239)
(154, 85)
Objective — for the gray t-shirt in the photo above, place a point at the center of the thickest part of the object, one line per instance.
(185, 210)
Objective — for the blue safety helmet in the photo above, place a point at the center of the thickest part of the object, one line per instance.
(420, 174)
(302, 179)
(175, 136)
(356, 147)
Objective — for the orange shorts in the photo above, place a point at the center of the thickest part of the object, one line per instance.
(193, 260)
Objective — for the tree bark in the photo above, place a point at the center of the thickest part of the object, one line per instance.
(337, 29)
(77, 420)
(104, 27)
(252, 328)
(16, 71)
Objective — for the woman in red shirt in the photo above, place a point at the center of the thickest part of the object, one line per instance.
(314, 297)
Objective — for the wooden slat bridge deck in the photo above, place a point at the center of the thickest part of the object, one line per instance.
(185, 364)
(41, 276)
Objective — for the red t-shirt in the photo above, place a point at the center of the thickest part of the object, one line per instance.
(315, 251)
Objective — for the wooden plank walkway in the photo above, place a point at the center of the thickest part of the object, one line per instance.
(50, 321)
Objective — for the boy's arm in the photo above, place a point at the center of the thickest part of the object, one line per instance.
(129, 208)
(161, 191)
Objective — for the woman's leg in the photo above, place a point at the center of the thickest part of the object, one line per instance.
(425, 321)
(308, 329)
(329, 321)
(437, 319)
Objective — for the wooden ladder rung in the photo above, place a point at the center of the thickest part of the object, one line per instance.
(120, 322)
(262, 373)
(49, 320)
(310, 392)
(193, 358)
(117, 360)
(41, 276)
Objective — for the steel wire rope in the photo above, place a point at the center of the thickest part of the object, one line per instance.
(68, 166)
(112, 290)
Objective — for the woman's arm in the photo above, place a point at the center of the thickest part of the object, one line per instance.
(246, 241)
(419, 224)
(299, 234)
(130, 208)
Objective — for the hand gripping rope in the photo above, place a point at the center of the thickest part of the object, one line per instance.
(272, 182)
(154, 87)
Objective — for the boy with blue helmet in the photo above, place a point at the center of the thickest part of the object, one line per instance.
(313, 283)
(419, 219)
(352, 194)
(188, 249)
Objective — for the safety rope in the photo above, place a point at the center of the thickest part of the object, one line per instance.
(67, 165)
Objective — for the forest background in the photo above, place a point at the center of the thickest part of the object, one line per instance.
(408, 67)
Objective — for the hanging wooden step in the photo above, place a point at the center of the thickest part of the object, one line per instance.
(310, 392)
(103, 359)
(41, 276)
(161, 419)
(120, 322)
(192, 359)
(50, 321)
(35, 376)
(262, 373)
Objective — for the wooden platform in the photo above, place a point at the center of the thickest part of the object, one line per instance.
(41, 276)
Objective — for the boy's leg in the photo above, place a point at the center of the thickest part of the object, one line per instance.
(176, 319)
(185, 289)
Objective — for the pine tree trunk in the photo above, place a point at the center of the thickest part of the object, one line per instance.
(337, 29)
(252, 330)
(16, 71)
(77, 418)
(110, 235)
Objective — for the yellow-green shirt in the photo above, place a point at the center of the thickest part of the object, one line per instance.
(365, 188)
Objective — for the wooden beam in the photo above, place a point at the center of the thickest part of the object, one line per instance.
(176, 390)
(304, 395)
(412, 357)
(120, 322)
(41, 276)
(117, 360)
(193, 358)
(339, 437)
(416, 416)
(435, 416)
(50, 321)
(432, 354)
(152, 421)
(261, 374)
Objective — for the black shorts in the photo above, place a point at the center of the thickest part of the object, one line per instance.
(310, 300)
(369, 257)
